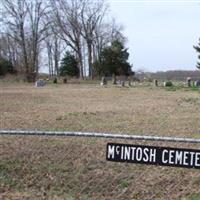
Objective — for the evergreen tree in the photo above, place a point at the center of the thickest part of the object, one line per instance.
(69, 65)
(198, 51)
(114, 60)
(5, 67)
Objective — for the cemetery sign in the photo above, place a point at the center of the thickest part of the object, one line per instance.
(151, 155)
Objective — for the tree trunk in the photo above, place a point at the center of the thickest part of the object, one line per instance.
(80, 62)
(56, 57)
(90, 60)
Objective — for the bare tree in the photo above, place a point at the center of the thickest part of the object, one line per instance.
(48, 44)
(16, 13)
(81, 23)
(37, 12)
(10, 50)
(104, 35)
(66, 14)
(26, 24)
(92, 15)
(54, 49)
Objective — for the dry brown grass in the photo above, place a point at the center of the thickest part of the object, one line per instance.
(75, 168)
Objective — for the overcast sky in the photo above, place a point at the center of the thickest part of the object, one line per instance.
(161, 34)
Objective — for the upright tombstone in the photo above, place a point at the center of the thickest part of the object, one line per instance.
(129, 83)
(65, 80)
(156, 82)
(122, 83)
(198, 83)
(189, 81)
(103, 81)
(40, 83)
(114, 79)
(129, 78)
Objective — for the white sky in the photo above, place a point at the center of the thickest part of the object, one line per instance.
(160, 33)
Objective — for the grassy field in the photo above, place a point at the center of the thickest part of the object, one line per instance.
(75, 168)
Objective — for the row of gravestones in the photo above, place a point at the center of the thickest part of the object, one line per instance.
(189, 83)
(114, 81)
(42, 82)
(166, 84)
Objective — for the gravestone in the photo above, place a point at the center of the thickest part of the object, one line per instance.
(65, 80)
(103, 81)
(40, 83)
(129, 83)
(122, 83)
(114, 79)
(155, 82)
(198, 83)
(189, 81)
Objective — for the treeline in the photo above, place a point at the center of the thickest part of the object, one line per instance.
(38, 32)
(175, 75)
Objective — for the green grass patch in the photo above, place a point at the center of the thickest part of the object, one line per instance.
(7, 180)
(183, 88)
(194, 197)
(12, 165)
(123, 184)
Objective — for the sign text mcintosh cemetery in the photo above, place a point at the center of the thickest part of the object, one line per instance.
(163, 156)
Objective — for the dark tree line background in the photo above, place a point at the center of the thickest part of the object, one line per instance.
(38, 33)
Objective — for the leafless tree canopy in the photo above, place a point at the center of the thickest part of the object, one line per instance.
(40, 30)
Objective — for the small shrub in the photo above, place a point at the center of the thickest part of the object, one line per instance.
(55, 80)
(168, 84)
